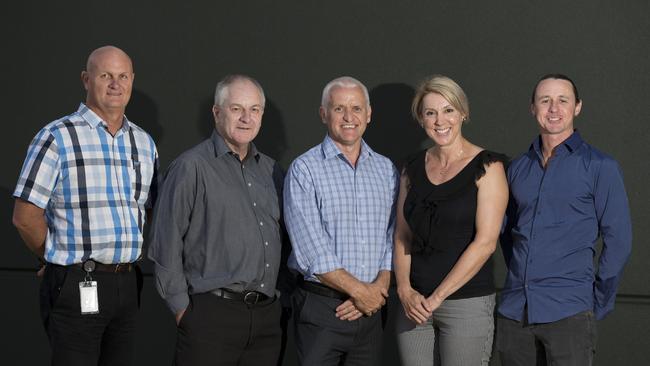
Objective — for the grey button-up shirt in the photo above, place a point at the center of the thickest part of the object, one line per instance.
(217, 223)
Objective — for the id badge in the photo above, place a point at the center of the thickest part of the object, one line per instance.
(88, 297)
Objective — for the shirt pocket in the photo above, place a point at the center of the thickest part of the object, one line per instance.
(140, 173)
(265, 194)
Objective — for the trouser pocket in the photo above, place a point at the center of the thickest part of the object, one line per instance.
(51, 286)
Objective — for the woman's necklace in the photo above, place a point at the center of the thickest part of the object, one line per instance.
(445, 169)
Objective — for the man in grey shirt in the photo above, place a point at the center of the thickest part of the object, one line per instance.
(216, 240)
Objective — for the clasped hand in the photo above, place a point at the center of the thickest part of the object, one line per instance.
(417, 308)
(366, 301)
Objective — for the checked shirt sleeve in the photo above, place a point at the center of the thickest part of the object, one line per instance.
(40, 170)
(155, 179)
(387, 260)
(312, 246)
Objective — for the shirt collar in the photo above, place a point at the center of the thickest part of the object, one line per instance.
(572, 143)
(95, 121)
(330, 149)
(220, 147)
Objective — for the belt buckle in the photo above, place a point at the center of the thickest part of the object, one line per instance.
(119, 267)
(251, 298)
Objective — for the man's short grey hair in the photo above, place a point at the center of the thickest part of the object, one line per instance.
(221, 91)
(343, 82)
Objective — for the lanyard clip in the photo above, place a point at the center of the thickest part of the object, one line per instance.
(89, 267)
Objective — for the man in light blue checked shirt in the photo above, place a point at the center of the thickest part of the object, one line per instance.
(339, 200)
(80, 207)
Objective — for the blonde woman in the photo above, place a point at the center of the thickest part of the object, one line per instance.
(450, 209)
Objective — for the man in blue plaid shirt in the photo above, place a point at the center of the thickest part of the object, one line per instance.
(80, 207)
(339, 210)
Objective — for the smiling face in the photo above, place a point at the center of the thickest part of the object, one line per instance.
(108, 80)
(440, 119)
(239, 118)
(555, 107)
(346, 115)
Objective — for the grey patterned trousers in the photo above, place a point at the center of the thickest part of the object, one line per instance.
(460, 332)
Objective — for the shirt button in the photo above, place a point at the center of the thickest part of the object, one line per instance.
(262, 285)
(254, 204)
(266, 243)
(268, 265)
(261, 223)
(249, 184)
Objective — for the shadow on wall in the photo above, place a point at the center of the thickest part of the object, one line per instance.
(392, 131)
(205, 123)
(271, 139)
(143, 111)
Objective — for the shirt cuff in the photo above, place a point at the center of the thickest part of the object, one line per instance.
(324, 265)
(387, 263)
(178, 302)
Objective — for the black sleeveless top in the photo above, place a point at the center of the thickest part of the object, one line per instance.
(442, 219)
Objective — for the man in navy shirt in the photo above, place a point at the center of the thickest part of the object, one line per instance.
(565, 194)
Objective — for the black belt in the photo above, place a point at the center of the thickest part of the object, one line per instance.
(320, 289)
(115, 267)
(247, 297)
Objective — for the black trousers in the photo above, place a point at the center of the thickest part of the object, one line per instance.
(217, 331)
(322, 339)
(106, 338)
(566, 342)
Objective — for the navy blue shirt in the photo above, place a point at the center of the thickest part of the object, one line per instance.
(555, 216)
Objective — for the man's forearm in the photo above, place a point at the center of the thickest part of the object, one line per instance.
(34, 237)
(383, 279)
(367, 297)
(341, 280)
(32, 226)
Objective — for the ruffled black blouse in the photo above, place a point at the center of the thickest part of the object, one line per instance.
(442, 219)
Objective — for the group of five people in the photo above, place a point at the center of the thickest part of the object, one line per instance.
(226, 211)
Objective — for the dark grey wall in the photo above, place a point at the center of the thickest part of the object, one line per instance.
(495, 50)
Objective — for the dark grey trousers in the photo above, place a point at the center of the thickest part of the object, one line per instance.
(322, 339)
(215, 331)
(569, 341)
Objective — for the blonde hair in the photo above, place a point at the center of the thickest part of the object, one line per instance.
(444, 86)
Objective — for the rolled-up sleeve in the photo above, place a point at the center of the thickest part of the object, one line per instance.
(171, 221)
(615, 226)
(312, 246)
(387, 259)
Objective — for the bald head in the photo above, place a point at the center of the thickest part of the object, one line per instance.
(108, 80)
(99, 54)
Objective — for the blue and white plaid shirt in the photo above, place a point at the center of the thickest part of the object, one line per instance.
(339, 216)
(94, 187)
